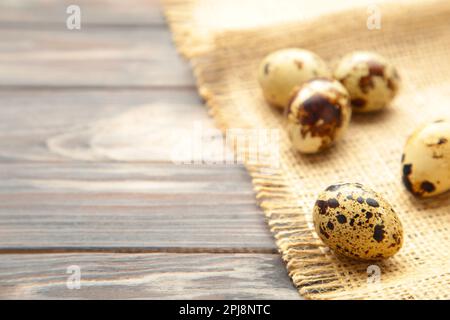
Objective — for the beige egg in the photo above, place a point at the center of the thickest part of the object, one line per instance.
(426, 160)
(283, 70)
(370, 79)
(356, 222)
(318, 115)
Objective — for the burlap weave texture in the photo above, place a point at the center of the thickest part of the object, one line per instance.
(415, 36)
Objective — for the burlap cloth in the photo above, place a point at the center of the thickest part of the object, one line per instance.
(226, 39)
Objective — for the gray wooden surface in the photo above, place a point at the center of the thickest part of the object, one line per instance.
(146, 276)
(88, 122)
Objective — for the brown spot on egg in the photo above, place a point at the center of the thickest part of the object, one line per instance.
(341, 218)
(358, 102)
(266, 68)
(396, 238)
(376, 69)
(378, 233)
(333, 187)
(360, 200)
(333, 203)
(437, 143)
(372, 202)
(369, 215)
(299, 64)
(322, 231)
(322, 205)
(320, 116)
(319, 107)
(427, 186)
(437, 156)
(365, 83)
(392, 85)
(330, 225)
(407, 170)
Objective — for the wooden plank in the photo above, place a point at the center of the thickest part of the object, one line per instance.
(112, 12)
(146, 276)
(120, 205)
(128, 196)
(99, 125)
(129, 57)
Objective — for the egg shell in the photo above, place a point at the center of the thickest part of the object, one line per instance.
(426, 160)
(356, 222)
(282, 71)
(370, 79)
(318, 115)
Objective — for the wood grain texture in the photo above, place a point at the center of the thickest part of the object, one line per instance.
(88, 123)
(102, 12)
(99, 125)
(146, 276)
(140, 206)
(127, 57)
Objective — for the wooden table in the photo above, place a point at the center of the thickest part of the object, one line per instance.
(88, 122)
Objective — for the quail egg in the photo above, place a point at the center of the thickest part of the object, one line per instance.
(318, 114)
(356, 222)
(283, 70)
(370, 79)
(426, 160)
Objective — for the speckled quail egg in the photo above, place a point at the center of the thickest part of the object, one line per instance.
(356, 222)
(370, 79)
(426, 160)
(318, 115)
(283, 70)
